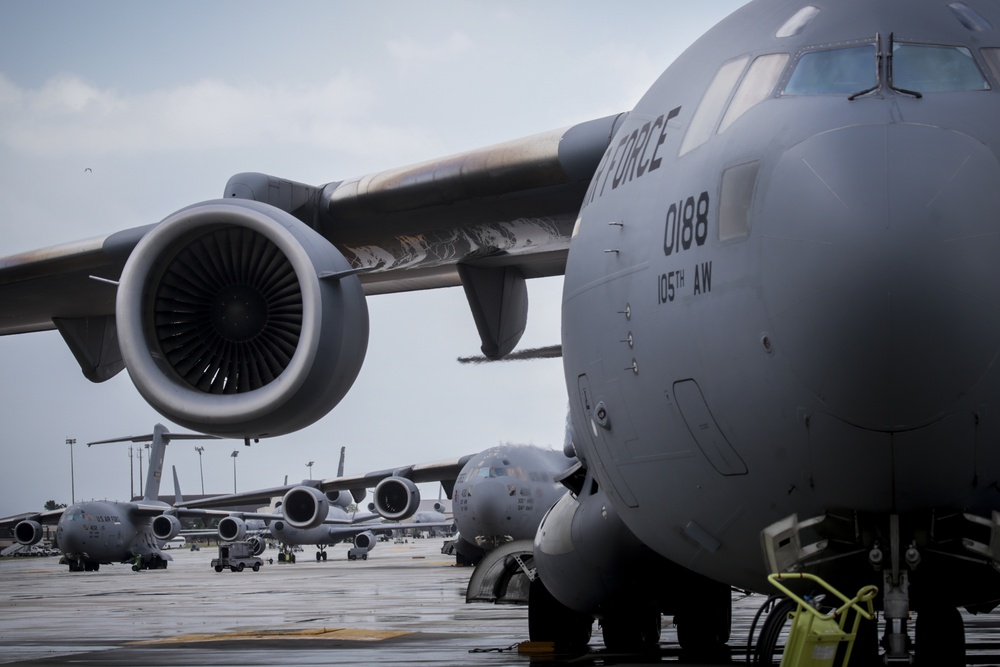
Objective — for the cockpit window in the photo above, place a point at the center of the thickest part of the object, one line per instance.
(928, 68)
(992, 58)
(840, 71)
(756, 86)
(710, 108)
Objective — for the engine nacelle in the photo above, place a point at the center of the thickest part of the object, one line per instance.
(28, 532)
(341, 499)
(586, 556)
(257, 544)
(166, 527)
(396, 498)
(365, 540)
(236, 319)
(232, 529)
(305, 507)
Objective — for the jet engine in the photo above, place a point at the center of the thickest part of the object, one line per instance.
(232, 529)
(305, 507)
(236, 319)
(257, 544)
(341, 499)
(166, 527)
(365, 540)
(28, 532)
(396, 498)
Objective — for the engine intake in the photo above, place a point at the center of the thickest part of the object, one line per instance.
(365, 540)
(236, 319)
(28, 532)
(305, 507)
(396, 498)
(166, 527)
(232, 529)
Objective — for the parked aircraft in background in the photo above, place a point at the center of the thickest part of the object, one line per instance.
(98, 532)
(290, 531)
(780, 316)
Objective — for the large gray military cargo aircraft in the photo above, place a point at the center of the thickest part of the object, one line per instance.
(780, 316)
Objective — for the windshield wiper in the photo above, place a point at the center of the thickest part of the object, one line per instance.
(892, 87)
(878, 72)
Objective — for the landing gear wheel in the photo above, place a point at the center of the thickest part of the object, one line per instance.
(218, 568)
(632, 631)
(324, 556)
(319, 556)
(940, 637)
(551, 621)
(704, 623)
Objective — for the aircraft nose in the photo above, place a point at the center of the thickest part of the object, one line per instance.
(490, 500)
(880, 278)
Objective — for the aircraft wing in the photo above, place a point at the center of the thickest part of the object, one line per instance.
(441, 471)
(509, 205)
(47, 517)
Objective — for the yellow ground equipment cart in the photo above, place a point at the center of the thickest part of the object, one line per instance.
(815, 636)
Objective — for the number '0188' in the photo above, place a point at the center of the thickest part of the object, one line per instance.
(687, 224)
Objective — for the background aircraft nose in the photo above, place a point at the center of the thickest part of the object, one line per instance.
(490, 507)
(879, 269)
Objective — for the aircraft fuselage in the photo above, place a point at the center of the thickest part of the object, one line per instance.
(781, 296)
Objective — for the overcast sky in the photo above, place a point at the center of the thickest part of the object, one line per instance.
(115, 114)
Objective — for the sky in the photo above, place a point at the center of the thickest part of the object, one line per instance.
(115, 114)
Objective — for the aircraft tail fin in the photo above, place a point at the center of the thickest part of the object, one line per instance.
(178, 498)
(159, 439)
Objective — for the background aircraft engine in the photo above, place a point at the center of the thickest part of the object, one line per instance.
(396, 498)
(365, 540)
(232, 529)
(28, 532)
(305, 507)
(341, 499)
(166, 527)
(236, 319)
(257, 544)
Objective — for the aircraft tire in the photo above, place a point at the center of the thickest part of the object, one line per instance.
(324, 556)
(291, 558)
(551, 621)
(97, 566)
(940, 637)
(256, 567)
(703, 626)
(218, 568)
(631, 632)
(319, 557)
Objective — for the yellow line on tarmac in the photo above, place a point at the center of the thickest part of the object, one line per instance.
(345, 634)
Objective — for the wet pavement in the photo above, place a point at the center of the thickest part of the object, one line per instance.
(404, 605)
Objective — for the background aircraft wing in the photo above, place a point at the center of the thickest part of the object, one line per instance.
(441, 471)
(47, 517)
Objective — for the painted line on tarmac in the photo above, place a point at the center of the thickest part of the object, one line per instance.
(343, 634)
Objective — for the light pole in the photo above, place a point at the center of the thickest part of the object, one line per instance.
(131, 474)
(200, 469)
(235, 453)
(310, 466)
(72, 476)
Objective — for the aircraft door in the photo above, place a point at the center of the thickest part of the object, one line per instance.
(603, 413)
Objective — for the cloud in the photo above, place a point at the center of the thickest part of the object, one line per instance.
(70, 116)
(410, 54)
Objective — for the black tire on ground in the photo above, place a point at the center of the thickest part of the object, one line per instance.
(631, 631)
(218, 568)
(940, 637)
(703, 625)
(256, 567)
(551, 621)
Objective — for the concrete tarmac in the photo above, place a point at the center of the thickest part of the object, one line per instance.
(404, 605)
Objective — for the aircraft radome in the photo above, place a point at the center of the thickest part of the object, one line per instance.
(780, 315)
